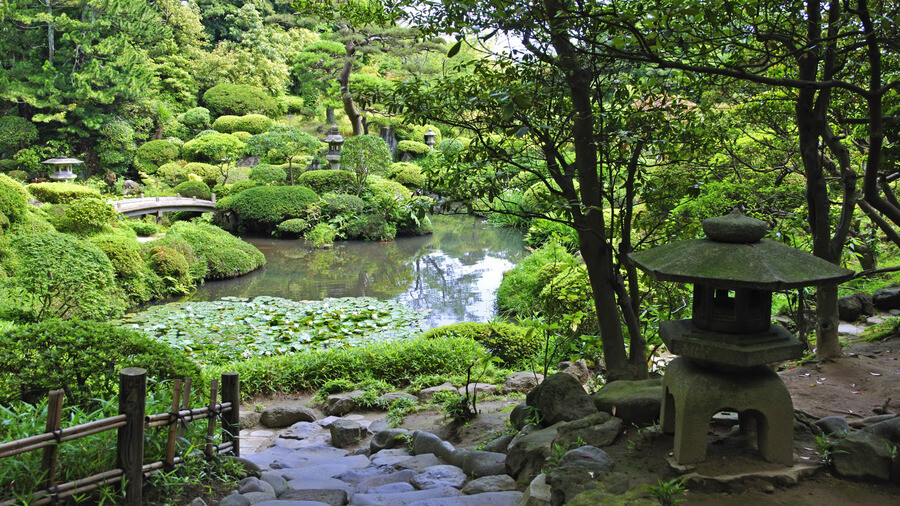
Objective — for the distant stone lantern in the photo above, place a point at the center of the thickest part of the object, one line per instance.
(335, 141)
(725, 347)
(63, 167)
(429, 138)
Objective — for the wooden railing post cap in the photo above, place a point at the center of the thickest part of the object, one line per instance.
(133, 371)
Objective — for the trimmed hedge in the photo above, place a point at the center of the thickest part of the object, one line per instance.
(124, 253)
(253, 123)
(197, 118)
(412, 147)
(328, 181)
(225, 124)
(212, 147)
(225, 255)
(292, 227)
(239, 99)
(61, 193)
(407, 174)
(88, 216)
(264, 207)
(197, 189)
(152, 154)
(506, 341)
(268, 174)
(13, 199)
(335, 204)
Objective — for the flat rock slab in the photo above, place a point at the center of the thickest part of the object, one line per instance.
(379, 480)
(489, 499)
(390, 457)
(421, 463)
(439, 476)
(290, 502)
(328, 496)
(311, 483)
(403, 498)
(787, 476)
(325, 470)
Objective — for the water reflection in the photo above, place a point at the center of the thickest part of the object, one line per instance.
(454, 272)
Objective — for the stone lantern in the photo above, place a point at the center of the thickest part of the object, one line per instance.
(335, 141)
(429, 138)
(63, 168)
(725, 347)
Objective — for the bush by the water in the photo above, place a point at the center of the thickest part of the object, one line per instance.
(327, 181)
(292, 227)
(396, 362)
(81, 357)
(88, 216)
(58, 193)
(196, 189)
(519, 292)
(407, 174)
(262, 208)
(341, 204)
(238, 100)
(225, 255)
(509, 342)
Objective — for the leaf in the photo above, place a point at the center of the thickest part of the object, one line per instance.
(455, 49)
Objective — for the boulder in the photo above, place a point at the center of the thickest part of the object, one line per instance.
(849, 308)
(341, 404)
(577, 369)
(833, 425)
(867, 302)
(477, 389)
(538, 492)
(379, 480)
(888, 429)
(346, 433)
(635, 402)
(426, 394)
(253, 484)
(481, 463)
(600, 429)
(389, 398)
(439, 476)
(499, 444)
(386, 439)
(234, 499)
(522, 382)
(560, 398)
(285, 416)
(496, 483)
(576, 472)
(886, 299)
(528, 452)
(426, 442)
(130, 187)
(862, 456)
(518, 417)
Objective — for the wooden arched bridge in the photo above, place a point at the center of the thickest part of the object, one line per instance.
(159, 205)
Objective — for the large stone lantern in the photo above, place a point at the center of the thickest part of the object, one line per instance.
(63, 167)
(725, 347)
(335, 141)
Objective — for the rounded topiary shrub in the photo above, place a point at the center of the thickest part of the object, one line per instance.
(168, 261)
(407, 174)
(510, 343)
(172, 172)
(207, 172)
(152, 154)
(225, 124)
(242, 136)
(88, 216)
(387, 194)
(61, 193)
(196, 189)
(124, 253)
(252, 123)
(414, 148)
(264, 207)
(83, 358)
(196, 119)
(225, 255)
(142, 228)
(292, 227)
(13, 199)
(334, 204)
(268, 174)
(327, 181)
(239, 99)
(212, 147)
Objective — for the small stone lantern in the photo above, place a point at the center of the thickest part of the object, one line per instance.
(725, 346)
(335, 141)
(429, 138)
(63, 168)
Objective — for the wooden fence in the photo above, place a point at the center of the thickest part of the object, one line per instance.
(130, 424)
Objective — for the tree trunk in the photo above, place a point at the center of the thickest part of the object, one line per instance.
(344, 79)
(329, 116)
(827, 343)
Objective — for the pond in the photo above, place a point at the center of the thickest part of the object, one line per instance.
(452, 273)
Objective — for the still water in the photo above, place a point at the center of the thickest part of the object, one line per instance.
(452, 273)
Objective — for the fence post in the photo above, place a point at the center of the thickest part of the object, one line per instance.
(54, 415)
(130, 442)
(231, 421)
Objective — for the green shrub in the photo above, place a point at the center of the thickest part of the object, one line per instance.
(152, 154)
(225, 255)
(568, 292)
(212, 147)
(388, 195)
(539, 199)
(407, 174)
(207, 172)
(58, 275)
(396, 362)
(289, 104)
(253, 124)
(196, 119)
(173, 172)
(263, 207)
(197, 189)
(327, 181)
(225, 124)
(18, 175)
(322, 235)
(233, 189)
(8, 164)
(233, 175)
(506, 341)
(169, 261)
(242, 136)
(282, 142)
(268, 174)
(16, 133)
(341, 204)
(61, 193)
(413, 148)
(83, 358)
(371, 227)
(543, 230)
(292, 227)
(13, 199)
(364, 156)
(519, 292)
(239, 99)
(124, 253)
(418, 133)
(142, 228)
(523, 181)
(88, 216)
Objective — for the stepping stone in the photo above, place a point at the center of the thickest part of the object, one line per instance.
(373, 482)
(439, 476)
(403, 498)
(420, 463)
(332, 497)
(390, 457)
(391, 488)
(313, 483)
(486, 499)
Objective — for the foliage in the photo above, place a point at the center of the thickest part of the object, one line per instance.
(327, 181)
(283, 144)
(412, 147)
(56, 275)
(388, 195)
(371, 227)
(196, 119)
(205, 171)
(225, 255)
(172, 172)
(233, 329)
(197, 189)
(16, 133)
(225, 123)
(239, 99)
(141, 228)
(268, 174)
(264, 207)
(252, 123)
(543, 231)
(152, 154)
(292, 227)
(81, 357)
(88, 216)
(512, 344)
(395, 362)
(116, 145)
(341, 204)
(398, 409)
(363, 155)
(61, 193)
(519, 292)
(407, 174)
(13, 199)
(568, 292)
(322, 235)
(668, 492)
(124, 253)
(213, 147)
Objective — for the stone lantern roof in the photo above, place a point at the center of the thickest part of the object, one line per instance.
(734, 255)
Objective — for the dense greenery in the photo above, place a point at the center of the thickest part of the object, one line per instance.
(510, 343)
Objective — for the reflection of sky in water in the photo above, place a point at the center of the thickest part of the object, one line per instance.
(454, 273)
